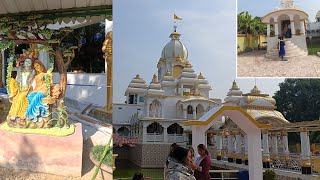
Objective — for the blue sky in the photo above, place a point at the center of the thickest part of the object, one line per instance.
(141, 28)
(263, 7)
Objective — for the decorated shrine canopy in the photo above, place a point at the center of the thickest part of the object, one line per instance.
(56, 10)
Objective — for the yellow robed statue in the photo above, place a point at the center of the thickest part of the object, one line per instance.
(19, 89)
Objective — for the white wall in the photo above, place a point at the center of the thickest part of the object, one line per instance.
(121, 113)
(170, 106)
(85, 87)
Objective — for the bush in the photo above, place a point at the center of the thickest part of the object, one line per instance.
(97, 152)
(269, 175)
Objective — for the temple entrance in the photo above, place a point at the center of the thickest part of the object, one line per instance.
(245, 122)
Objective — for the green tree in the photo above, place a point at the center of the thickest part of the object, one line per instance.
(250, 25)
(246, 23)
(299, 99)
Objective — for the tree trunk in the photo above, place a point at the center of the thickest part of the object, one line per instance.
(63, 88)
(62, 73)
(1, 83)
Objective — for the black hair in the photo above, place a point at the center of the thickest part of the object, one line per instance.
(180, 154)
(203, 148)
(172, 148)
(138, 176)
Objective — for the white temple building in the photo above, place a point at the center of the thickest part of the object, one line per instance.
(291, 18)
(160, 114)
(313, 28)
(154, 113)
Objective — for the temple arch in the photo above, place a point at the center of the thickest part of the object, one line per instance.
(155, 128)
(155, 108)
(200, 111)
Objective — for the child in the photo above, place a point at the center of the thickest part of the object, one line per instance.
(282, 50)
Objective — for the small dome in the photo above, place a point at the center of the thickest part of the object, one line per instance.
(318, 14)
(255, 91)
(137, 85)
(175, 48)
(168, 80)
(235, 90)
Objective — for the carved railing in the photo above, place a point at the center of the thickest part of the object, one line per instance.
(155, 137)
(175, 138)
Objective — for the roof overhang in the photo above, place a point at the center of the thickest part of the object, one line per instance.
(227, 110)
(55, 10)
(303, 15)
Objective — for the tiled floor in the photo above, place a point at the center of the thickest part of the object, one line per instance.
(254, 64)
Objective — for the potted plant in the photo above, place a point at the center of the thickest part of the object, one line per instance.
(272, 34)
(298, 32)
(269, 175)
(102, 158)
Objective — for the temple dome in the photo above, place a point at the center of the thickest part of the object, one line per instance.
(137, 85)
(175, 48)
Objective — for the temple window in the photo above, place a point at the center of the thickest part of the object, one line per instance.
(155, 128)
(190, 109)
(175, 129)
(133, 98)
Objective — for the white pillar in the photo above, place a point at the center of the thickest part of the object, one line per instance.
(184, 113)
(303, 29)
(245, 145)
(274, 141)
(238, 143)
(144, 134)
(218, 143)
(276, 30)
(293, 29)
(230, 144)
(148, 107)
(255, 156)
(285, 143)
(268, 30)
(265, 144)
(165, 133)
(198, 136)
(181, 89)
(162, 109)
(194, 114)
(305, 145)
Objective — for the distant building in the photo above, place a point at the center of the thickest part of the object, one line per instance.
(313, 28)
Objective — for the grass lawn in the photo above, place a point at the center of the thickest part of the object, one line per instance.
(43, 131)
(315, 48)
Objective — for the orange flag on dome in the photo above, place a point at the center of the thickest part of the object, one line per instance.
(175, 17)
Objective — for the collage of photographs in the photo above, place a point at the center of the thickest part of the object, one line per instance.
(159, 90)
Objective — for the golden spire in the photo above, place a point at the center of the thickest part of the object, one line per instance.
(155, 79)
(200, 76)
(179, 58)
(168, 73)
(255, 91)
(234, 85)
(188, 65)
(137, 77)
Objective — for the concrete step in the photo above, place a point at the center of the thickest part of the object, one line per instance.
(301, 54)
(292, 50)
(287, 51)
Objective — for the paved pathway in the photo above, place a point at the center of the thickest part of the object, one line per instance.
(254, 64)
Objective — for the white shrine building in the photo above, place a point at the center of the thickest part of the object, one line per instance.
(295, 19)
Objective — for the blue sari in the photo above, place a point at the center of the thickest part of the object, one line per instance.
(36, 108)
(282, 51)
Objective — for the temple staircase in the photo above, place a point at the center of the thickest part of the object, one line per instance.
(292, 50)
